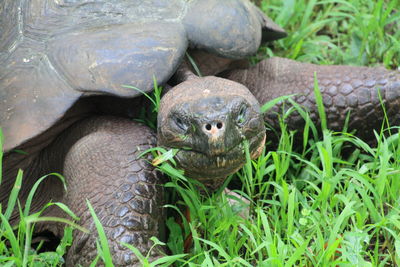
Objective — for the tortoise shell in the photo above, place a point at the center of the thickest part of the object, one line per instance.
(54, 52)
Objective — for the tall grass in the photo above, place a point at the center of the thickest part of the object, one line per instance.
(16, 239)
(352, 32)
(333, 203)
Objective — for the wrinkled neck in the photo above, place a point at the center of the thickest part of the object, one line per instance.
(184, 73)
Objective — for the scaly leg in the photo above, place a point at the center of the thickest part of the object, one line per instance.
(101, 164)
(344, 89)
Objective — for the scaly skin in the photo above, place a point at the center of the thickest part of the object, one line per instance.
(344, 89)
(98, 156)
(102, 165)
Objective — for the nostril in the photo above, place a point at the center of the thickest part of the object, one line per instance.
(216, 126)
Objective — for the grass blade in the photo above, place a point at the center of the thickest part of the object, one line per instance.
(320, 104)
(106, 254)
(14, 195)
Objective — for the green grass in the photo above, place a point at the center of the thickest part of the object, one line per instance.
(355, 32)
(334, 204)
(16, 240)
(332, 200)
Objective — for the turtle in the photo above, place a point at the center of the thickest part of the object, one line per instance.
(63, 103)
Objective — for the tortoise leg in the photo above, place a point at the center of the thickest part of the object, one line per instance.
(344, 89)
(102, 165)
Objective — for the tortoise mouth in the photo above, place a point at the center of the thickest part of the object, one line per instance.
(212, 170)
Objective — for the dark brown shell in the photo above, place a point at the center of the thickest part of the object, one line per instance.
(54, 52)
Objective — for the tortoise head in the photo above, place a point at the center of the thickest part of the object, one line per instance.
(208, 119)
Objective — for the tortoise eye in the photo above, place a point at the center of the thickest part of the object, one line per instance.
(180, 123)
(241, 117)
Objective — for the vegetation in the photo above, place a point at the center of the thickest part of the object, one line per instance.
(334, 201)
(354, 32)
(16, 245)
(331, 201)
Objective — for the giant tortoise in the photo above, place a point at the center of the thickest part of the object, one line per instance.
(63, 67)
